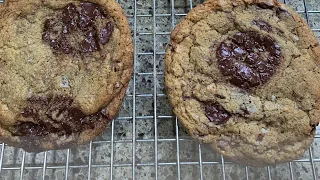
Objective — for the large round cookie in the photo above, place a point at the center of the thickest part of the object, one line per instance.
(65, 68)
(244, 76)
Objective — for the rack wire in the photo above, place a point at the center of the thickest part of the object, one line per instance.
(146, 141)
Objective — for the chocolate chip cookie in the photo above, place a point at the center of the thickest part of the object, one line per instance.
(65, 68)
(244, 76)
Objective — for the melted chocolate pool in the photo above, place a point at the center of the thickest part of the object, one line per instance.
(45, 115)
(248, 59)
(75, 29)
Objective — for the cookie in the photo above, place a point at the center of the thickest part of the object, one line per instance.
(244, 76)
(65, 67)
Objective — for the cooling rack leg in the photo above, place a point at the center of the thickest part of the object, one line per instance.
(155, 93)
(223, 168)
(134, 91)
(306, 10)
(247, 173)
(112, 150)
(1, 156)
(22, 165)
(291, 172)
(269, 173)
(44, 165)
(67, 165)
(200, 163)
(178, 149)
(90, 159)
(312, 164)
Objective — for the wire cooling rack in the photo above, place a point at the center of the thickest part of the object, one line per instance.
(146, 141)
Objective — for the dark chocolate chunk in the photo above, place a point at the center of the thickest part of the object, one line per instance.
(59, 31)
(90, 44)
(262, 25)
(248, 59)
(31, 129)
(91, 10)
(85, 22)
(50, 35)
(70, 18)
(55, 115)
(65, 46)
(216, 113)
(88, 14)
(106, 33)
(76, 113)
(28, 113)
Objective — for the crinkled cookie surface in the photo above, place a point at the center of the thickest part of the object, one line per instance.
(244, 76)
(65, 68)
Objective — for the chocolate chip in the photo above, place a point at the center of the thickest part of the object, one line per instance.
(263, 25)
(106, 33)
(248, 59)
(265, 5)
(219, 96)
(216, 113)
(260, 137)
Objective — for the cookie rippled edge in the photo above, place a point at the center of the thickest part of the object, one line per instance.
(66, 120)
(254, 101)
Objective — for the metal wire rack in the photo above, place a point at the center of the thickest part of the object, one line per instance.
(145, 141)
